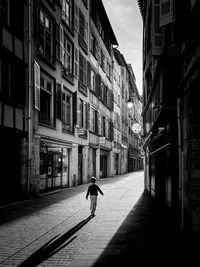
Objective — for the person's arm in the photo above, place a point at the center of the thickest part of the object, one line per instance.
(88, 192)
(100, 191)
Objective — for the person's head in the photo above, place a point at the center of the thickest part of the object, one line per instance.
(93, 179)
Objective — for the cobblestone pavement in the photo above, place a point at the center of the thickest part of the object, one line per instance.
(57, 230)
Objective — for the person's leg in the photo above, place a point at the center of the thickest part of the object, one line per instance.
(93, 204)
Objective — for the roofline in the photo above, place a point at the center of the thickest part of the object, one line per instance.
(114, 39)
(141, 7)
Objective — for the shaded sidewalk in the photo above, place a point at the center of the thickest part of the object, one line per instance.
(147, 235)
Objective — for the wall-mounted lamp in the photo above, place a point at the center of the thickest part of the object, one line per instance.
(130, 103)
(156, 106)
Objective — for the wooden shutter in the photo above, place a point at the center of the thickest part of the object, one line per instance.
(58, 101)
(75, 61)
(63, 10)
(75, 121)
(57, 41)
(75, 17)
(37, 85)
(88, 116)
(98, 84)
(61, 44)
(86, 32)
(166, 12)
(99, 123)
(157, 38)
(88, 75)
(96, 121)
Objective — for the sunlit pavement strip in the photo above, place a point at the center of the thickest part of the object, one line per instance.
(26, 235)
(100, 239)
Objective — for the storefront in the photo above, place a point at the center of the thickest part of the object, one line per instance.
(54, 166)
(103, 163)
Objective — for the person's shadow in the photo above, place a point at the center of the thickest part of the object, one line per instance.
(53, 246)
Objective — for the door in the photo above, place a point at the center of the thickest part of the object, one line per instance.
(80, 165)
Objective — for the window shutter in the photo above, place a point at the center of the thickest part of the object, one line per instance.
(98, 84)
(58, 101)
(75, 61)
(88, 75)
(63, 10)
(37, 85)
(88, 116)
(157, 39)
(166, 12)
(99, 123)
(75, 108)
(57, 41)
(96, 121)
(86, 32)
(76, 17)
(61, 44)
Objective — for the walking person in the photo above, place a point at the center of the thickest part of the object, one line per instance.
(93, 192)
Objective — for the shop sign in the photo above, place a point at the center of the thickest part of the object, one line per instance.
(136, 128)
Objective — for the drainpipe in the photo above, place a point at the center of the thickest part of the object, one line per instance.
(180, 156)
(29, 97)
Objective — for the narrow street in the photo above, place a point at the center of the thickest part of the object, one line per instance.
(56, 230)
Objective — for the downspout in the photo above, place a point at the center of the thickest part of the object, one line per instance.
(180, 158)
(29, 98)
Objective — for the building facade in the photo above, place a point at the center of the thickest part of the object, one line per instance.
(58, 106)
(14, 99)
(170, 113)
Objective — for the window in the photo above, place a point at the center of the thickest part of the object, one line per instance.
(83, 31)
(46, 115)
(46, 37)
(5, 78)
(82, 26)
(82, 113)
(12, 80)
(82, 74)
(67, 12)
(93, 44)
(67, 105)
(4, 12)
(68, 59)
